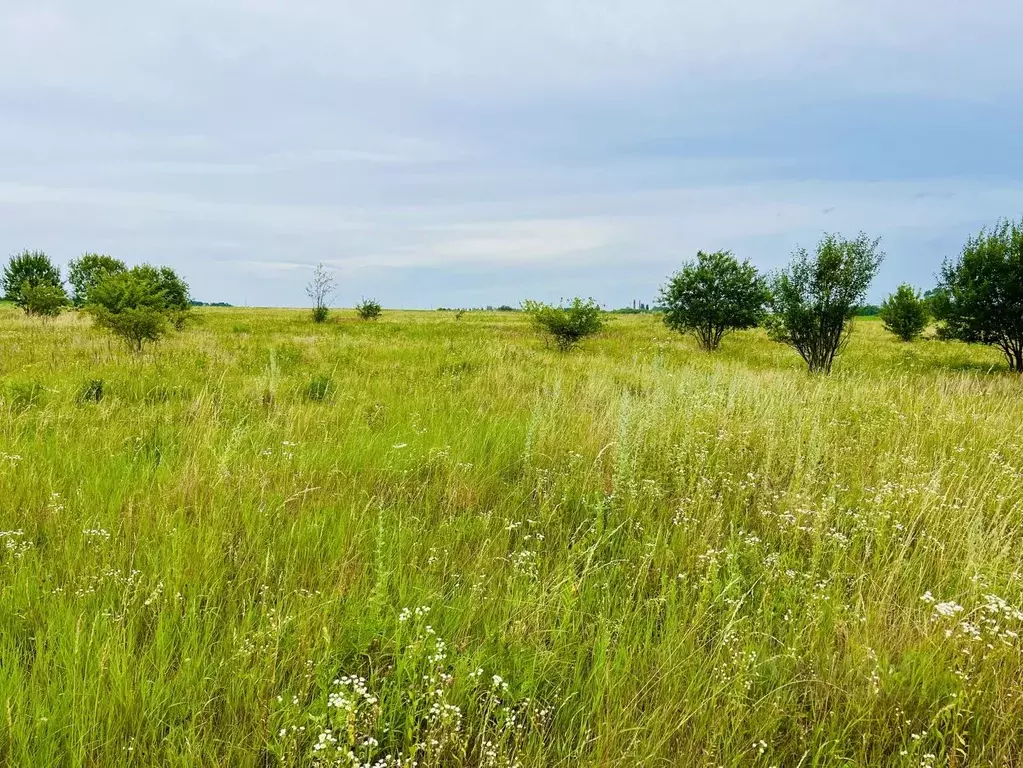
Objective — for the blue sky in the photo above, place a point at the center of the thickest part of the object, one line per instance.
(456, 153)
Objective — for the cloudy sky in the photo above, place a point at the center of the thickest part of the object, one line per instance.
(473, 152)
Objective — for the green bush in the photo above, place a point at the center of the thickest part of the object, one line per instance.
(565, 326)
(43, 300)
(368, 309)
(318, 388)
(904, 313)
(139, 305)
(91, 391)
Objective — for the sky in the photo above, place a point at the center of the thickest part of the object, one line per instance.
(480, 152)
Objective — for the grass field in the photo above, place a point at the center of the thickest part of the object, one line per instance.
(273, 543)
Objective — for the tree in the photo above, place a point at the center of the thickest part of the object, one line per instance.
(89, 271)
(368, 309)
(905, 313)
(139, 305)
(980, 296)
(816, 297)
(712, 296)
(321, 290)
(43, 300)
(29, 269)
(565, 326)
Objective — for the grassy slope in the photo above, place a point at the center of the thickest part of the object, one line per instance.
(677, 558)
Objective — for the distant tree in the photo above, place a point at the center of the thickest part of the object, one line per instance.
(816, 297)
(979, 298)
(140, 304)
(43, 300)
(565, 326)
(88, 271)
(321, 290)
(368, 309)
(713, 296)
(29, 269)
(905, 313)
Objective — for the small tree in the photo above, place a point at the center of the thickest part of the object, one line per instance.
(89, 271)
(979, 298)
(815, 299)
(138, 305)
(905, 313)
(321, 290)
(29, 269)
(712, 296)
(565, 326)
(43, 300)
(368, 309)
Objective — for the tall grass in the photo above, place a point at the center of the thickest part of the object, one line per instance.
(271, 542)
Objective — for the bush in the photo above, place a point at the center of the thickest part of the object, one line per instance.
(90, 270)
(979, 298)
(139, 305)
(565, 326)
(318, 389)
(26, 270)
(320, 314)
(91, 391)
(904, 313)
(368, 309)
(43, 300)
(714, 296)
(817, 296)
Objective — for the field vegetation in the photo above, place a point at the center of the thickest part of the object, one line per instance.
(441, 542)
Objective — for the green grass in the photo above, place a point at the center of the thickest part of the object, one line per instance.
(668, 557)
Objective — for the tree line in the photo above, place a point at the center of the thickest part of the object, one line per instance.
(810, 304)
(138, 304)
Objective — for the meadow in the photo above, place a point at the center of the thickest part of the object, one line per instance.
(433, 541)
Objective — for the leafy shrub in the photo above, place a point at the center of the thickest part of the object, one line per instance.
(90, 270)
(91, 391)
(23, 395)
(980, 296)
(43, 300)
(713, 296)
(318, 388)
(320, 314)
(368, 309)
(140, 304)
(27, 270)
(565, 326)
(817, 296)
(904, 313)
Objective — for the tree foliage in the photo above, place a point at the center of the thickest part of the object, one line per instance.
(368, 309)
(904, 313)
(321, 290)
(30, 269)
(140, 304)
(565, 326)
(816, 297)
(980, 295)
(88, 271)
(712, 296)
